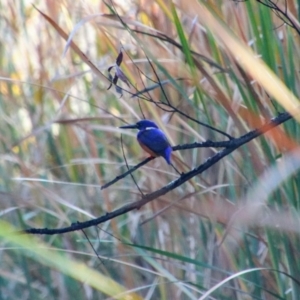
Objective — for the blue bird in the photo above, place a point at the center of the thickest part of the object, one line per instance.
(152, 139)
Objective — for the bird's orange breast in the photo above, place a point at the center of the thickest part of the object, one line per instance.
(149, 151)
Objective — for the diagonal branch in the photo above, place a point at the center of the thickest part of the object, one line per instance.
(207, 144)
(282, 13)
(170, 186)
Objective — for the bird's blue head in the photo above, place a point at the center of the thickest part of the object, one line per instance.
(146, 124)
(141, 125)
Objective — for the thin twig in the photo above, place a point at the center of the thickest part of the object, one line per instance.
(125, 159)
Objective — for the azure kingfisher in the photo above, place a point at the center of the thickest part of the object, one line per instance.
(152, 139)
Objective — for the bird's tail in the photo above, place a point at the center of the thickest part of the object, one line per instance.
(167, 155)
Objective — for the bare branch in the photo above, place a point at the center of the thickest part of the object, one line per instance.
(236, 143)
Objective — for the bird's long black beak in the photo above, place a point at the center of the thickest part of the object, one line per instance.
(129, 126)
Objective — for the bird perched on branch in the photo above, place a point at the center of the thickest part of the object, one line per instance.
(152, 139)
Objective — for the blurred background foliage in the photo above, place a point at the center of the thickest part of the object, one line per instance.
(60, 142)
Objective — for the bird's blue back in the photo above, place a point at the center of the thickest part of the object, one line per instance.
(156, 141)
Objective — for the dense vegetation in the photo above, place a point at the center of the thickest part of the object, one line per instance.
(205, 72)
